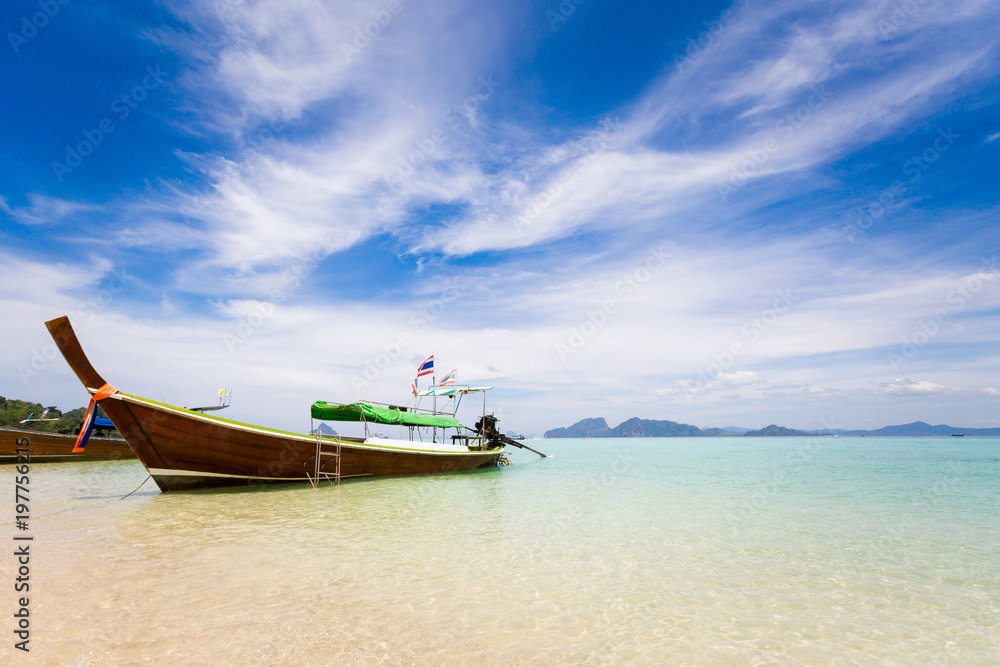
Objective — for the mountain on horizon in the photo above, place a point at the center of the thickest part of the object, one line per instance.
(324, 429)
(923, 428)
(597, 427)
(775, 431)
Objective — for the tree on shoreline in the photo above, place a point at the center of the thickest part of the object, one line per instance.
(12, 411)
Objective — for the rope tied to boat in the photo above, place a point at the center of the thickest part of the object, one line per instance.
(88, 419)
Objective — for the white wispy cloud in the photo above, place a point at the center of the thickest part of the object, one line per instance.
(275, 199)
(402, 106)
(806, 109)
(648, 354)
(46, 210)
(908, 387)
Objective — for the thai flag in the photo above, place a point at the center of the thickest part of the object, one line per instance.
(448, 379)
(427, 367)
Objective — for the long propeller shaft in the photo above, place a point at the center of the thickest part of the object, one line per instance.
(511, 441)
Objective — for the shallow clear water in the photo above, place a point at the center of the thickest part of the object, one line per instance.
(732, 551)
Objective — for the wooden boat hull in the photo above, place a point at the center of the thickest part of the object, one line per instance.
(187, 450)
(184, 449)
(58, 448)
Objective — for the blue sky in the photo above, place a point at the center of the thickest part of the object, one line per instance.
(719, 214)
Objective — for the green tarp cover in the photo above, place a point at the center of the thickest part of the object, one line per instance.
(356, 412)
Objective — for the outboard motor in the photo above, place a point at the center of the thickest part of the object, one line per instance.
(487, 428)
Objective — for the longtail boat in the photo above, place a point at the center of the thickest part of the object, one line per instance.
(46, 447)
(185, 449)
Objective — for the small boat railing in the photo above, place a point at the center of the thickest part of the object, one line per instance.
(319, 472)
(473, 442)
(414, 409)
(416, 429)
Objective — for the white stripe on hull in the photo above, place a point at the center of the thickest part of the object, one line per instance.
(167, 472)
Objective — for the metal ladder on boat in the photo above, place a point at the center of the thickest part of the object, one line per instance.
(332, 477)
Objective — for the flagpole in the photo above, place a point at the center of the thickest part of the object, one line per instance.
(434, 391)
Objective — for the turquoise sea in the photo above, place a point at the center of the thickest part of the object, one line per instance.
(677, 551)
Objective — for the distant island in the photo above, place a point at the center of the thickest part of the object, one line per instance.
(596, 427)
